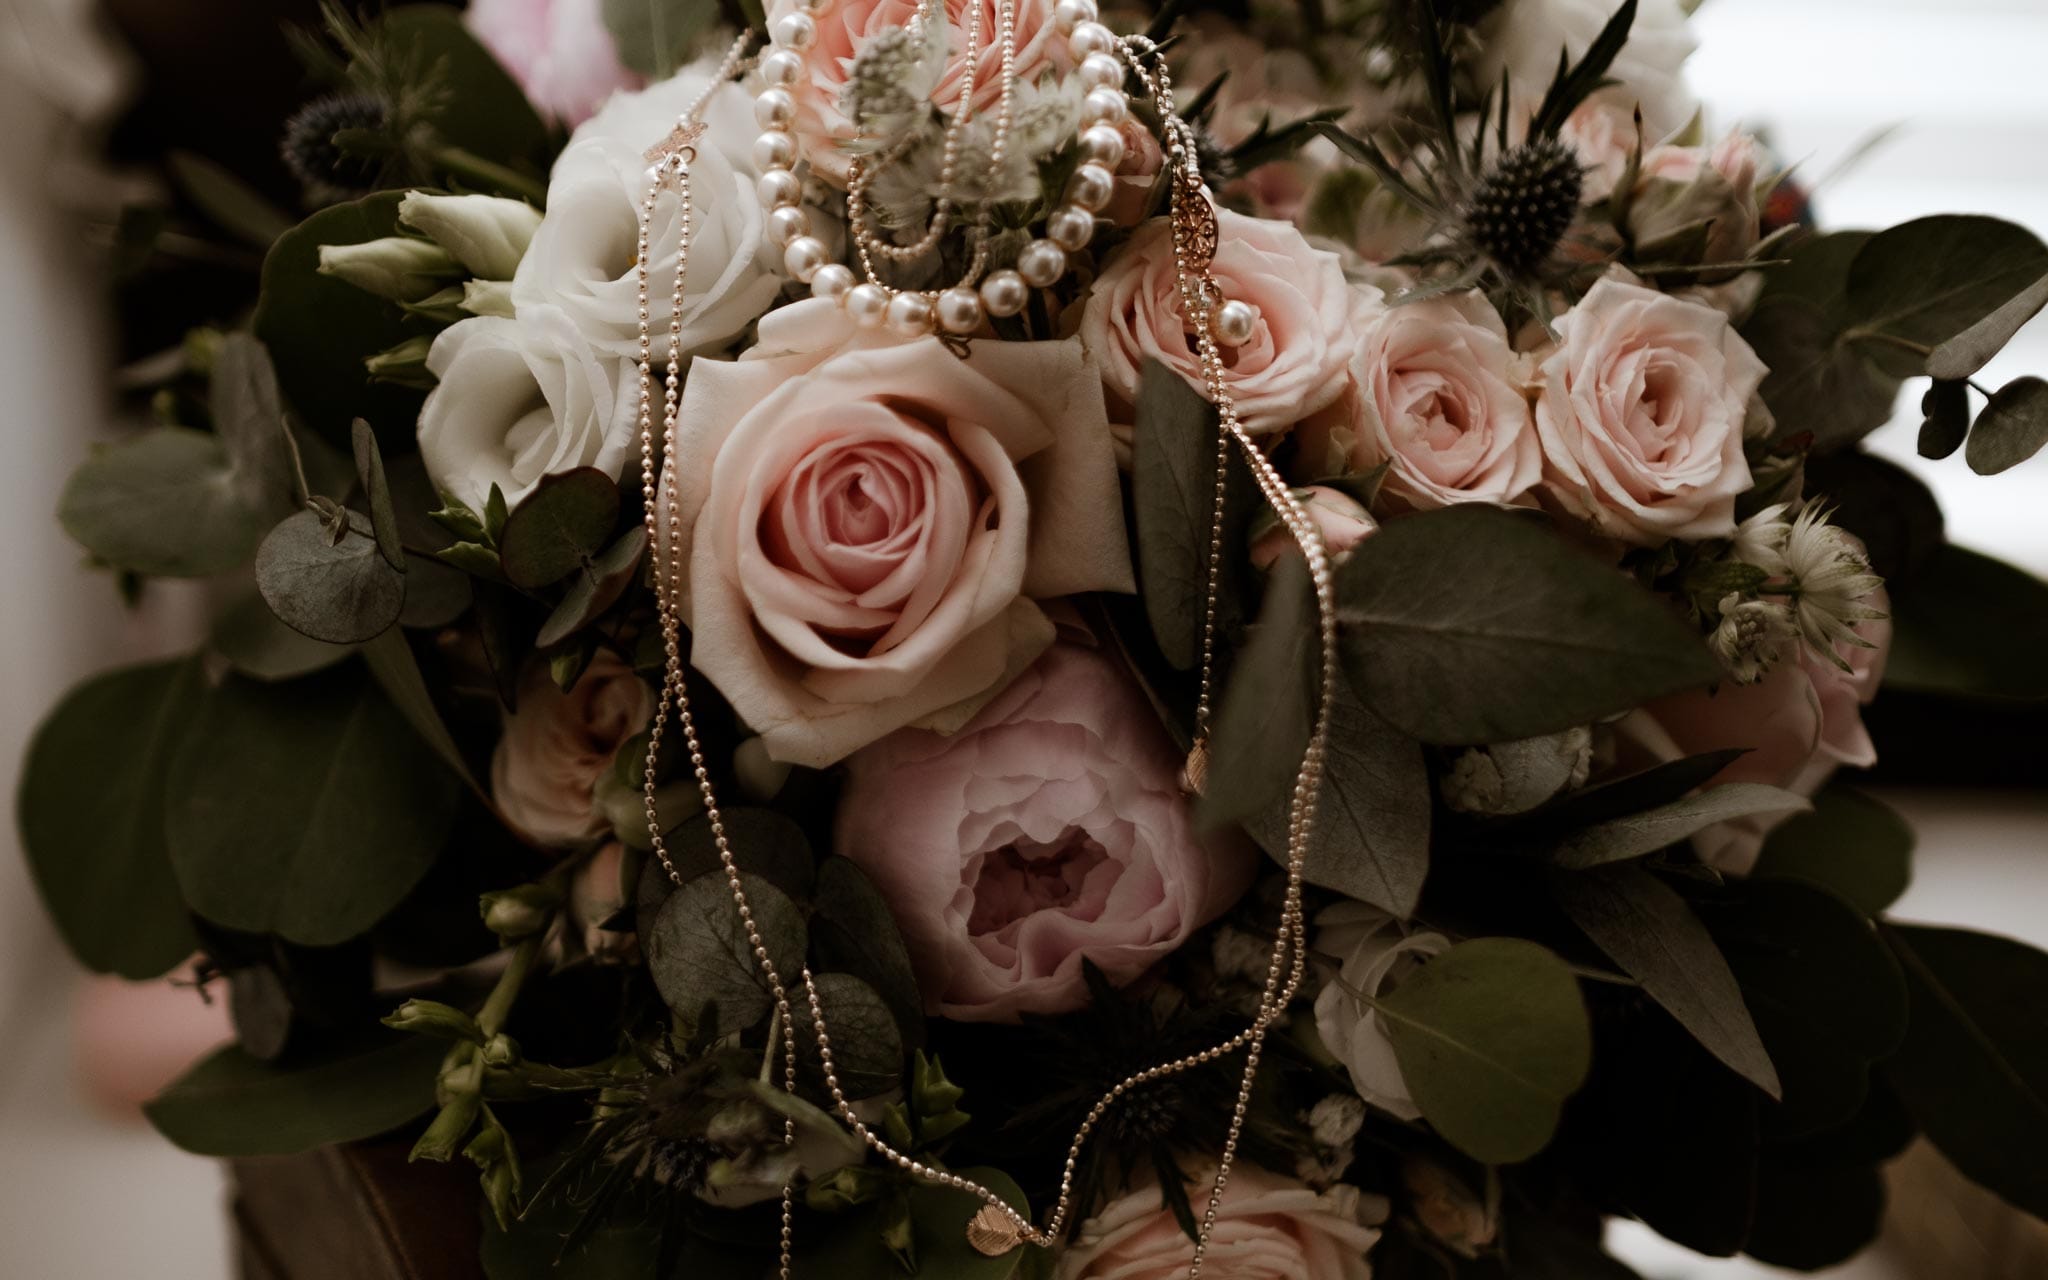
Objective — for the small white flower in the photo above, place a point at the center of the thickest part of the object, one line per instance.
(1515, 777)
(1336, 1120)
(488, 235)
(395, 268)
(1752, 636)
(1831, 576)
(1760, 540)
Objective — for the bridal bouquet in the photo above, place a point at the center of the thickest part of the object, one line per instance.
(1006, 638)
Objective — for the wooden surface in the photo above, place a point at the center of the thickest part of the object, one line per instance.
(358, 1212)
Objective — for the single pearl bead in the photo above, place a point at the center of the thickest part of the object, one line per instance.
(1091, 186)
(1042, 263)
(782, 67)
(1070, 227)
(1091, 37)
(1235, 322)
(960, 310)
(832, 281)
(787, 223)
(1004, 293)
(774, 150)
(1099, 70)
(868, 304)
(796, 31)
(778, 187)
(1068, 14)
(1103, 145)
(910, 314)
(803, 257)
(1104, 106)
(774, 109)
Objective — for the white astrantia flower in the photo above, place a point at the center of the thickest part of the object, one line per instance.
(1760, 540)
(1333, 1124)
(1751, 636)
(1831, 576)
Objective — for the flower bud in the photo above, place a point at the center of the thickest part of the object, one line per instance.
(487, 298)
(518, 913)
(501, 1051)
(1697, 205)
(396, 268)
(488, 235)
(404, 364)
(1341, 518)
(431, 1017)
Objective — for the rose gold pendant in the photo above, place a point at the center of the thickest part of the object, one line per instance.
(992, 1232)
(680, 139)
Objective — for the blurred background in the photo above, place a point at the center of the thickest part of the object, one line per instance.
(86, 1190)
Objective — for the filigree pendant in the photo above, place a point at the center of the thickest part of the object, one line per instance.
(992, 1232)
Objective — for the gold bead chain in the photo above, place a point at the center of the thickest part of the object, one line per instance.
(997, 1227)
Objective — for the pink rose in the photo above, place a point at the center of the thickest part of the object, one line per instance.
(599, 891)
(1442, 405)
(869, 524)
(1602, 133)
(846, 26)
(1801, 722)
(1294, 364)
(1267, 1228)
(556, 745)
(1049, 830)
(559, 51)
(1681, 187)
(1641, 415)
(1337, 516)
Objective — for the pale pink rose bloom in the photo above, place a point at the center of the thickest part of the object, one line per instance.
(1050, 829)
(559, 51)
(869, 524)
(1641, 413)
(846, 26)
(557, 745)
(1295, 362)
(1681, 186)
(1337, 516)
(1267, 1228)
(1801, 722)
(1442, 405)
(1603, 135)
(1377, 953)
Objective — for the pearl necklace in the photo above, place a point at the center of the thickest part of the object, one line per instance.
(958, 310)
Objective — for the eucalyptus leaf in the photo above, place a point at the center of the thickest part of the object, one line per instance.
(595, 588)
(436, 593)
(1268, 710)
(390, 659)
(1851, 843)
(1972, 349)
(701, 960)
(559, 527)
(1945, 410)
(867, 1048)
(256, 644)
(1630, 793)
(1173, 488)
(232, 1104)
(231, 203)
(654, 37)
(248, 416)
(307, 810)
(1492, 1037)
(1925, 282)
(377, 492)
(2011, 429)
(343, 593)
(1888, 507)
(1447, 612)
(1818, 385)
(1643, 833)
(1645, 927)
(91, 811)
(764, 843)
(167, 503)
(1970, 625)
(853, 931)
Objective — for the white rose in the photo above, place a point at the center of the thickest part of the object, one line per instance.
(1523, 38)
(520, 399)
(582, 257)
(1376, 952)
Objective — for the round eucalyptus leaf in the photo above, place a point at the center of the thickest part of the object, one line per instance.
(91, 809)
(867, 1050)
(167, 503)
(1924, 282)
(343, 593)
(256, 644)
(307, 809)
(436, 594)
(854, 931)
(560, 527)
(595, 588)
(233, 1104)
(2012, 428)
(702, 961)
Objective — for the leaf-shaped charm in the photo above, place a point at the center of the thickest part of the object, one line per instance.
(1194, 775)
(993, 1232)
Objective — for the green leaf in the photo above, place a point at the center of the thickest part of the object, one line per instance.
(852, 1249)
(1268, 709)
(484, 111)
(343, 593)
(167, 503)
(248, 416)
(256, 644)
(1645, 927)
(654, 36)
(307, 810)
(1972, 349)
(559, 527)
(1643, 833)
(377, 492)
(1973, 1069)
(320, 329)
(2012, 428)
(1970, 625)
(853, 930)
(234, 1105)
(1927, 281)
(1945, 410)
(1447, 612)
(1818, 385)
(1173, 489)
(596, 588)
(702, 961)
(91, 806)
(436, 593)
(764, 843)
(1491, 1036)
(391, 661)
(1850, 843)
(867, 1049)
(231, 203)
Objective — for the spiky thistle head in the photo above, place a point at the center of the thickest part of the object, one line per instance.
(323, 167)
(1523, 204)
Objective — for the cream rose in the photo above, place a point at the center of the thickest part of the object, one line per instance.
(1267, 1228)
(1442, 407)
(1524, 37)
(556, 745)
(868, 524)
(519, 399)
(581, 259)
(1295, 362)
(1376, 952)
(1641, 414)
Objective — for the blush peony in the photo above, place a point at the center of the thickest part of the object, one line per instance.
(869, 523)
(1267, 1228)
(1641, 415)
(559, 51)
(555, 746)
(1049, 830)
